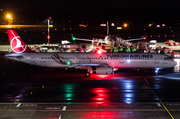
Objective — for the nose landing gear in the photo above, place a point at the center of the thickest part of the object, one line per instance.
(156, 71)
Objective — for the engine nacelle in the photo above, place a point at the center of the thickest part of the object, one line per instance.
(103, 70)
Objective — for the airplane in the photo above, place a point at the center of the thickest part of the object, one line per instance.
(110, 40)
(99, 63)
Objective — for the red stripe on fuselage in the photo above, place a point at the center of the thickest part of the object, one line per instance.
(58, 57)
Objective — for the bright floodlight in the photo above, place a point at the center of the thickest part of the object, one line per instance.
(8, 16)
(125, 25)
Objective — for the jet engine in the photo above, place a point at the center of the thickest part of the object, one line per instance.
(103, 70)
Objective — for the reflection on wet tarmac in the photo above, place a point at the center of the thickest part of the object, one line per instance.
(128, 85)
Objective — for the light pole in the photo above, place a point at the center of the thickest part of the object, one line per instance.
(107, 28)
(48, 33)
(48, 37)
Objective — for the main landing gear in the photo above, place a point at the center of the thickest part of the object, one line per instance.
(89, 71)
(87, 74)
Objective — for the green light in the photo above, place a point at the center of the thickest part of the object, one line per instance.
(68, 95)
(73, 38)
(68, 63)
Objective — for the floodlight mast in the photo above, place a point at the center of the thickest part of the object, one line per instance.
(48, 31)
(107, 28)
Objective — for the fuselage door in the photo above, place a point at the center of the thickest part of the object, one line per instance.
(85, 59)
(32, 58)
(156, 59)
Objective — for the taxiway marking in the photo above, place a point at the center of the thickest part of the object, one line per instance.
(158, 104)
(159, 99)
(64, 108)
(18, 105)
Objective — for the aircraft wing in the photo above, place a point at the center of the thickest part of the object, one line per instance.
(84, 39)
(90, 40)
(78, 64)
(82, 66)
(134, 39)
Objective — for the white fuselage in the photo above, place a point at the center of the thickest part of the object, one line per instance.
(117, 60)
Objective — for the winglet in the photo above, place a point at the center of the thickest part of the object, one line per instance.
(80, 48)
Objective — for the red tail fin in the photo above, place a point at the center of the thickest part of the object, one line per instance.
(80, 48)
(17, 44)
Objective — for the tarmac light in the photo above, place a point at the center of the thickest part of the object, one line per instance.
(128, 60)
(157, 70)
(115, 69)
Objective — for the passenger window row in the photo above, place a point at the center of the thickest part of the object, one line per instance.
(56, 58)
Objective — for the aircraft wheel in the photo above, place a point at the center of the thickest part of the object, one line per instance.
(87, 74)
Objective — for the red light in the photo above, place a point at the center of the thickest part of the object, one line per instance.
(48, 36)
(99, 52)
(115, 69)
(101, 95)
(49, 17)
(144, 38)
(99, 98)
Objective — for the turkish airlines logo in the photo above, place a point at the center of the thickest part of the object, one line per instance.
(16, 45)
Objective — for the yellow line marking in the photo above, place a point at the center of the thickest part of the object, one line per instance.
(160, 100)
(5, 106)
(167, 110)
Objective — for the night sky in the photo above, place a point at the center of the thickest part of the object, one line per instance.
(85, 4)
(95, 10)
(137, 13)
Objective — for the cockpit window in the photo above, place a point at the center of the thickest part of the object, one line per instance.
(167, 58)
